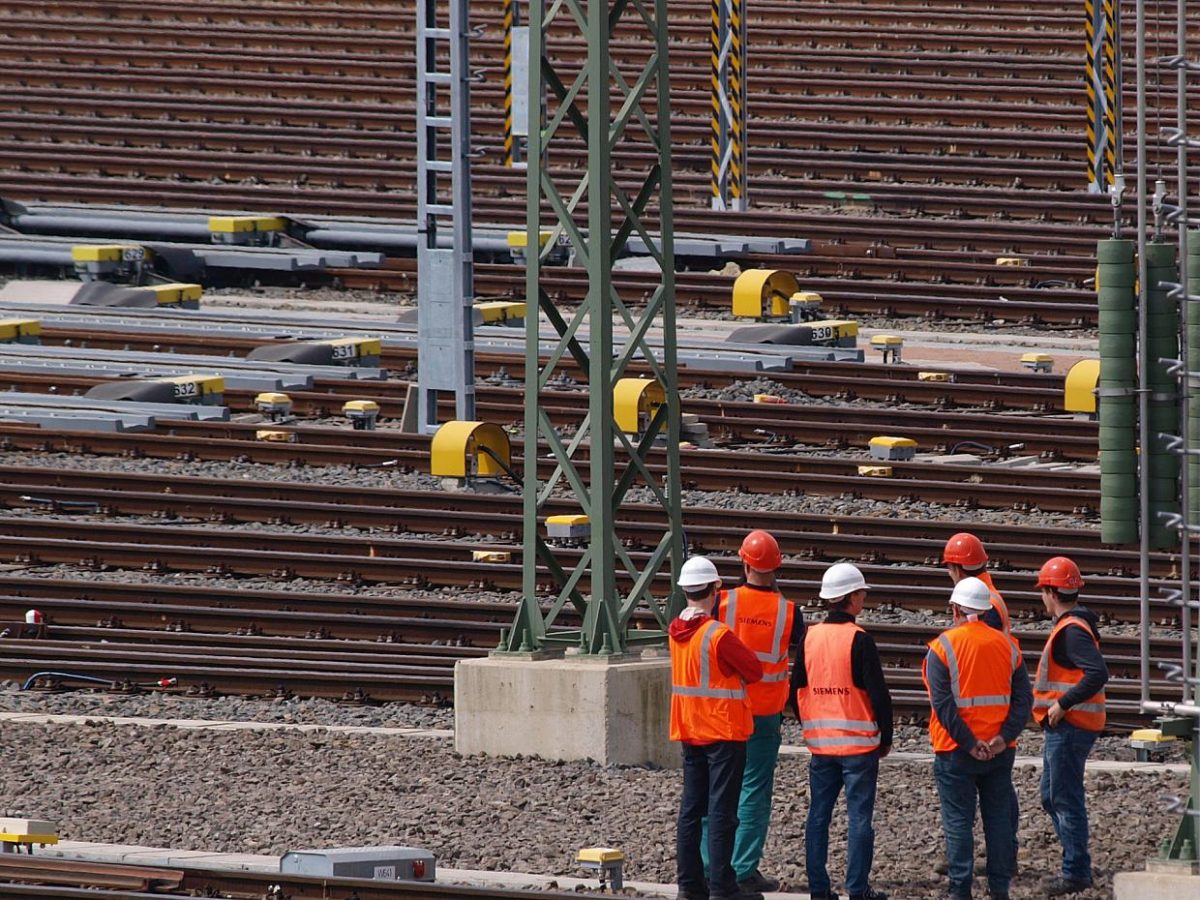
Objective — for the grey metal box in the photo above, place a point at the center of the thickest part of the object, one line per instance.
(380, 863)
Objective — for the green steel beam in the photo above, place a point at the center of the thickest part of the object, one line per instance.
(602, 106)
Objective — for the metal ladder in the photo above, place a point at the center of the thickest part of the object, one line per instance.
(445, 264)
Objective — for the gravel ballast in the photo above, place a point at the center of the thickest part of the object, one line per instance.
(270, 792)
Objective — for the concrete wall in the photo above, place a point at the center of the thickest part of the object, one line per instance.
(1155, 886)
(614, 712)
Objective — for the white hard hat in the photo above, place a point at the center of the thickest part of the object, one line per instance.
(971, 593)
(841, 579)
(697, 572)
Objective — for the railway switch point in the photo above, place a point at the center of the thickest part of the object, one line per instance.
(470, 456)
(518, 248)
(804, 306)
(361, 413)
(1038, 362)
(606, 862)
(347, 351)
(875, 471)
(204, 390)
(273, 405)
(764, 294)
(510, 313)
(109, 262)
(18, 833)
(893, 448)
(377, 863)
(1149, 743)
(20, 331)
(177, 293)
(279, 437)
(355, 351)
(1079, 388)
(636, 402)
(491, 556)
(246, 231)
(568, 527)
(890, 345)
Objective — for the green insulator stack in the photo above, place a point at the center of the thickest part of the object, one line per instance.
(1162, 342)
(1193, 343)
(1116, 274)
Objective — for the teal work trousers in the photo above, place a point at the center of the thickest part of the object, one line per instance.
(754, 803)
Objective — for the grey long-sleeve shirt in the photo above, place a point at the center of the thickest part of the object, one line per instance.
(942, 698)
(1074, 648)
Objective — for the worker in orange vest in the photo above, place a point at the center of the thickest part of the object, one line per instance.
(767, 623)
(965, 557)
(846, 710)
(980, 698)
(1069, 705)
(711, 717)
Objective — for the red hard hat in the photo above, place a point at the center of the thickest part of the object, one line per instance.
(1060, 573)
(965, 549)
(761, 551)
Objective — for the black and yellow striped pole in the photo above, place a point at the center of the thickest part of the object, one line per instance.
(512, 149)
(1102, 82)
(727, 44)
(1110, 79)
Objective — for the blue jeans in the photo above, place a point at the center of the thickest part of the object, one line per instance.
(827, 775)
(960, 781)
(754, 805)
(1066, 751)
(712, 781)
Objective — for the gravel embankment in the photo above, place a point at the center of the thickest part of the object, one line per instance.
(270, 792)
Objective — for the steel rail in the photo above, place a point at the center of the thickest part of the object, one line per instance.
(447, 562)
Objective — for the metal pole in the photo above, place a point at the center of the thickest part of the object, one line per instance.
(445, 275)
(1181, 75)
(1143, 362)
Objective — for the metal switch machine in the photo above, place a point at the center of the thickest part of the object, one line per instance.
(379, 863)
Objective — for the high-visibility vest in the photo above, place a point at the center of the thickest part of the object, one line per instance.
(1053, 681)
(998, 603)
(706, 705)
(762, 620)
(981, 662)
(838, 717)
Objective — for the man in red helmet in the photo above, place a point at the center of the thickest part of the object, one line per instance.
(1069, 704)
(768, 624)
(965, 557)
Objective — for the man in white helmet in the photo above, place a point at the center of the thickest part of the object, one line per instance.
(711, 717)
(843, 702)
(981, 699)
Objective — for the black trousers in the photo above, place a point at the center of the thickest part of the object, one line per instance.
(712, 783)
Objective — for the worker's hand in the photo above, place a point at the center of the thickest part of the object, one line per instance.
(1055, 715)
(885, 750)
(997, 745)
(981, 752)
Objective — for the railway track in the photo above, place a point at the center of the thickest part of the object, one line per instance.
(937, 125)
(41, 877)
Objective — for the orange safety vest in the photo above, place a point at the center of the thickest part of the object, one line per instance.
(998, 603)
(981, 662)
(762, 620)
(1053, 681)
(706, 705)
(838, 717)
